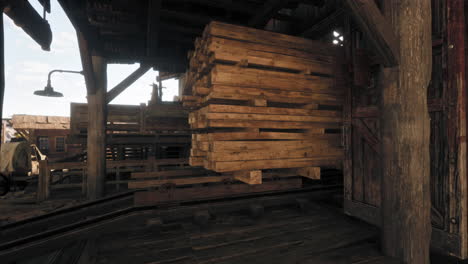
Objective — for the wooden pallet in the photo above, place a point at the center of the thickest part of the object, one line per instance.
(260, 100)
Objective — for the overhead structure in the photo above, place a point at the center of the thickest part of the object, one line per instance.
(160, 33)
(27, 18)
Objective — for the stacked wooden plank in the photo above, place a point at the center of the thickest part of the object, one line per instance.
(261, 100)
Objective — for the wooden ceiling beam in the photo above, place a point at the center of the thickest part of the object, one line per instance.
(125, 83)
(313, 2)
(377, 29)
(228, 5)
(152, 36)
(26, 17)
(322, 25)
(186, 16)
(266, 12)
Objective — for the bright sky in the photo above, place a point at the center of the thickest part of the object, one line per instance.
(27, 66)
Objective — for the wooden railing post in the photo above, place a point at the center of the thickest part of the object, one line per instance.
(84, 181)
(43, 181)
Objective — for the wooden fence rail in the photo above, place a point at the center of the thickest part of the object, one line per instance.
(47, 168)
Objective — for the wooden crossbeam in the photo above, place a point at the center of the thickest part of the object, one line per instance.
(322, 25)
(125, 83)
(269, 8)
(26, 17)
(377, 28)
(227, 5)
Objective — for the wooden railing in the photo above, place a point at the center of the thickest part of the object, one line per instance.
(63, 169)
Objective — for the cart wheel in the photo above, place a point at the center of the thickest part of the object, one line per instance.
(4, 185)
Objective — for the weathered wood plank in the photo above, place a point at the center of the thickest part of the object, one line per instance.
(125, 83)
(275, 164)
(155, 197)
(176, 181)
(249, 177)
(406, 201)
(168, 173)
(310, 172)
(264, 37)
(96, 151)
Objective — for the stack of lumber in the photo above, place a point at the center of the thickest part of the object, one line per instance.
(261, 100)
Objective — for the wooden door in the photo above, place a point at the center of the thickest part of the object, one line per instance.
(447, 109)
(362, 166)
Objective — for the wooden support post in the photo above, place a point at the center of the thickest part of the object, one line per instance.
(43, 182)
(142, 118)
(406, 201)
(456, 94)
(97, 131)
(84, 183)
(2, 73)
(249, 177)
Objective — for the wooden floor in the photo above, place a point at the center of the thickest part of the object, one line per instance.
(283, 235)
(311, 232)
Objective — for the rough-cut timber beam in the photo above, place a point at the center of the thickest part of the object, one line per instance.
(227, 5)
(377, 29)
(46, 5)
(313, 2)
(456, 87)
(268, 10)
(406, 198)
(2, 72)
(86, 61)
(124, 84)
(96, 143)
(322, 25)
(26, 17)
(152, 35)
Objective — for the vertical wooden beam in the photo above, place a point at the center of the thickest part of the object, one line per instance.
(96, 144)
(456, 88)
(95, 73)
(406, 201)
(86, 62)
(43, 181)
(2, 72)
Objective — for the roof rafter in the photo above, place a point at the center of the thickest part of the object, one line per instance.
(266, 12)
(154, 7)
(377, 29)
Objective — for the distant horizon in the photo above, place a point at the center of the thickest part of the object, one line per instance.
(27, 66)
